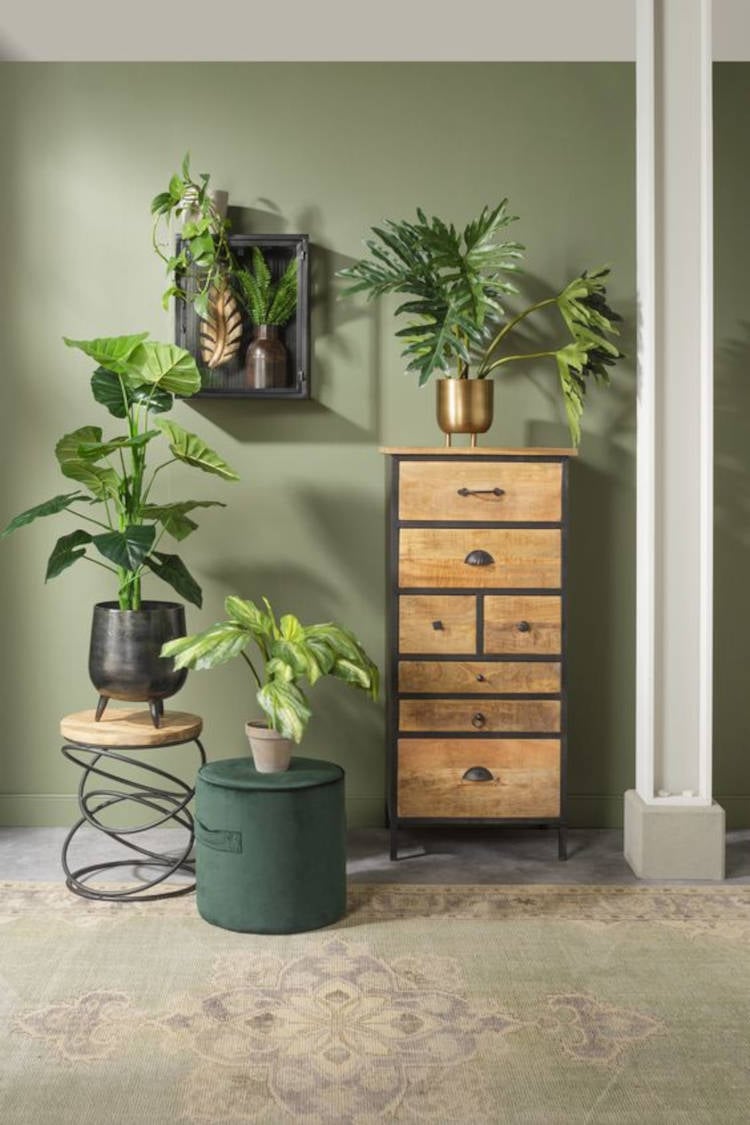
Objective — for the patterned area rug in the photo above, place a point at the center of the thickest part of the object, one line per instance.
(522, 1005)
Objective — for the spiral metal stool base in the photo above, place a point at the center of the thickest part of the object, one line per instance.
(98, 749)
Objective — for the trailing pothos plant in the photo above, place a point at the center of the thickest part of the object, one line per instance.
(136, 380)
(204, 261)
(265, 302)
(457, 322)
(290, 653)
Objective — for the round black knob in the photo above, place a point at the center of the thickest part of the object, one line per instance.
(437, 626)
(478, 720)
(480, 678)
(524, 627)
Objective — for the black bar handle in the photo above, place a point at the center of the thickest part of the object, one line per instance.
(479, 558)
(477, 773)
(481, 492)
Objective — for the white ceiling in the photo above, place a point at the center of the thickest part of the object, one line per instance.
(231, 30)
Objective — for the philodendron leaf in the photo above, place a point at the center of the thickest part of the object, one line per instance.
(95, 450)
(67, 550)
(213, 646)
(100, 480)
(285, 708)
(111, 352)
(116, 394)
(173, 517)
(48, 508)
(128, 548)
(172, 570)
(163, 365)
(192, 450)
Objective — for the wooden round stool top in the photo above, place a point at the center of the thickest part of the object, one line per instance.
(130, 728)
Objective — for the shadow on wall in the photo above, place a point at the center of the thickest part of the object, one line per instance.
(601, 634)
(732, 564)
(344, 413)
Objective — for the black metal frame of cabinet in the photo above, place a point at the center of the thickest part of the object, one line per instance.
(393, 734)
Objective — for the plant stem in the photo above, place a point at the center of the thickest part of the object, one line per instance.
(104, 566)
(511, 358)
(510, 326)
(251, 666)
(158, 469)
(90, 519)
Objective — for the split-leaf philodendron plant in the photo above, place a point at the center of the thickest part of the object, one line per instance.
(455, 280)
(290, 652)
(135, 380)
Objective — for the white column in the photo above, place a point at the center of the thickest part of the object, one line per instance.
(675, 448)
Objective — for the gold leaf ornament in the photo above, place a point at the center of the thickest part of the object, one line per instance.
(221, 332)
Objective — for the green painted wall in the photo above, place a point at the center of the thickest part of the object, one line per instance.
(327, 149)
(732, 441)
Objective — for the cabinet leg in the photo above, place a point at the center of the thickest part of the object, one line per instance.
(394, 842)
(562, 842)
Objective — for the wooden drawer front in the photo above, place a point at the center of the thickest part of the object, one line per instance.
(520, 557)
(525, 777)
(480, 715)
(437, 623)
(449, 491)
(479, 676)
(524, 625)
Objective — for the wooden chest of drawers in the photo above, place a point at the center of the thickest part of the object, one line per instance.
(477, 626)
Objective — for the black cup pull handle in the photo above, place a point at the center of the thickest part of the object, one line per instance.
(477, 773)
(524, 627)
(481, 492)
(479, 558)
(437, 626)
(478, 720)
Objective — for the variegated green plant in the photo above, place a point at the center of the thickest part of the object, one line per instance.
(135, 379)
(290, 652)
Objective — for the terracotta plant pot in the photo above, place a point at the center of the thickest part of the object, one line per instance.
(464, 406)
(271, 752)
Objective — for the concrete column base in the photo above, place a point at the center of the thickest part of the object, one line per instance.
(674, 841)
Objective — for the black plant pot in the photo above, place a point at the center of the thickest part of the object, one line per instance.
(124, 660)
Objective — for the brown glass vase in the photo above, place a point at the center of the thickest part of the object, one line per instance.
(266, 362)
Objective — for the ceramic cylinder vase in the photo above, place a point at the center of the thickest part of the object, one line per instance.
(271, 752)
(266, 361)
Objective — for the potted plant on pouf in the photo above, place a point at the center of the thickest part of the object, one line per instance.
(290, 652)
(136, 379)
(454, 281)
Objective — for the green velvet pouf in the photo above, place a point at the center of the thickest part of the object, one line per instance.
(270, 848)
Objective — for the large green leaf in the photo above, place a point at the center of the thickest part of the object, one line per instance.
(100, 480)
(116, 394)
(48, 508)
(192, 450)
(165, 366)
(67, 550)
(111, 352)
(95, 450)
(172, 570)
(285, 707)
(173, 517)
(128, 548)
(214, 646)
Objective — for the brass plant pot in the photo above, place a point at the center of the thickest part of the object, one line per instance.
(464, 406)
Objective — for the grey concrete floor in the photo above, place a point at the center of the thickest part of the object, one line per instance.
(469, 855)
